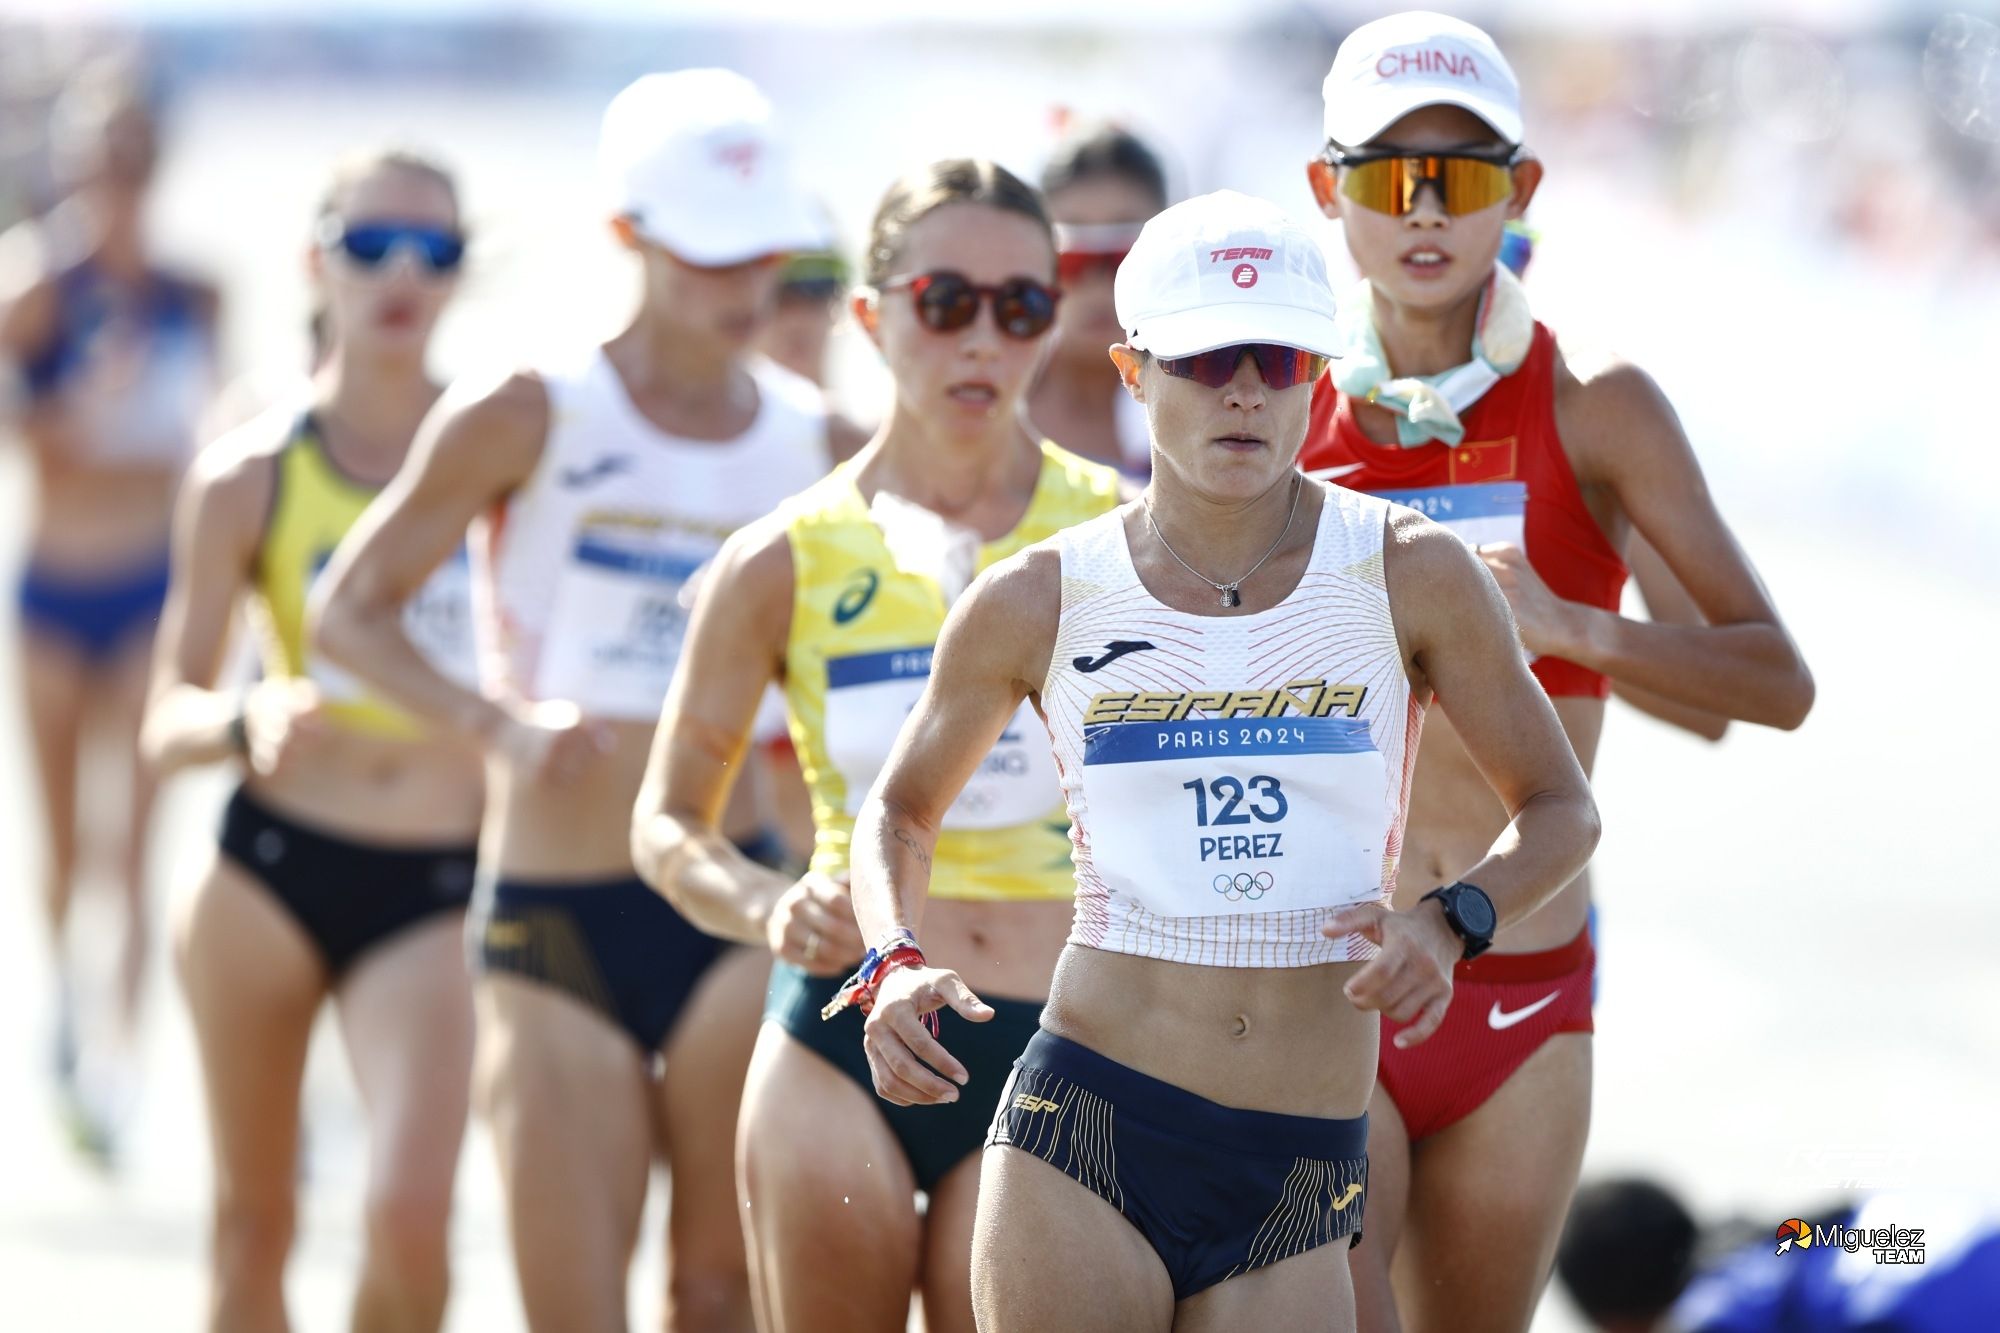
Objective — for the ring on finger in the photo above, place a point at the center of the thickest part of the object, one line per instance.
(812, 945)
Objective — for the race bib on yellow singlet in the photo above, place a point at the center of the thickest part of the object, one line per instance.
(438, 622)
(1228, 817)
(615, 632)
(870, 694)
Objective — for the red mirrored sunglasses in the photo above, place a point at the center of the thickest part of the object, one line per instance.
(1281, 367)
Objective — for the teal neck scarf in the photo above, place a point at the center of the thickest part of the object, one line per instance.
(1427, 406)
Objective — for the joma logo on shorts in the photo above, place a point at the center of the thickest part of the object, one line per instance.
(1348, 1197)
(1028, 1101)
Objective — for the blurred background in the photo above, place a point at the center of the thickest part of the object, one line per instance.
(1788, 212)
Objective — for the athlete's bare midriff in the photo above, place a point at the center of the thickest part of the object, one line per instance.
(1454, 819)
(379, 791)
(1004, 950)
(1255, 1038)
(582, 830)
(90, 519)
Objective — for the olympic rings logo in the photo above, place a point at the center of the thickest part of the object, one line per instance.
(1243, 885)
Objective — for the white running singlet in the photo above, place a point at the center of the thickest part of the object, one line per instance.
(585, 568)
(1231, 780)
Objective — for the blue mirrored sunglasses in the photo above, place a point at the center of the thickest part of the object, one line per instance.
(374, 244)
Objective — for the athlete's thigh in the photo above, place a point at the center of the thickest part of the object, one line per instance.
(406, 1018)
(1382, 1216)
(1047, 1253)
(1488, 1196)
(566, 1094)
(53, 685)
(946, 1280)
(1308, 1292)
(122, 709)
(707, 1056)
(253, 985)
(833, 1219)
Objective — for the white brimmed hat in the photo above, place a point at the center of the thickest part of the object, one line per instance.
(692, 158)
(1225, 268)
(1395, 65)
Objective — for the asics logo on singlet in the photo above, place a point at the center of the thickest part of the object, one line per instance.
(855, 598)
(1114, 650)
(603, 469)
(1028, 1101)
(1308, 698)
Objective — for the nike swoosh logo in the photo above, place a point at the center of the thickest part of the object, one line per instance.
(1329, 473)
(1112, 652)
(603, 469)
(1499, 1020)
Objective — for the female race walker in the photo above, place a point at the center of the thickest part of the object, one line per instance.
(114, 359)
(346, 855)
(1233, 671)
(840, 595)
(1448, 396)
(1101, 187)
(599, 488)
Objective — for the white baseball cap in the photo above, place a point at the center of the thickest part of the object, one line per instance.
(1395, 65)
(692, 158)
(1224, 268)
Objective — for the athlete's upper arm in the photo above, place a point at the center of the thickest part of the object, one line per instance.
(993, 652)
(27, 315)
(219, 520)
(1667, 603)
(469, 453)
(1458, 638)
(1627, 435)
(735, 646)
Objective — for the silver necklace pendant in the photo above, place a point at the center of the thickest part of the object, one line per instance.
(1230, 597)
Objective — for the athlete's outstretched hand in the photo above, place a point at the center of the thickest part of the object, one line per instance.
(550, 741)
(1543, 618)
(899, 1045)
(281, 718)
(812, 926)
(1411, 977)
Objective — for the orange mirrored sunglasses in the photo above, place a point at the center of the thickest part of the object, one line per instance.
(1390, 182)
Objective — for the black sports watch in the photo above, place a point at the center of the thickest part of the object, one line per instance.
(1469, 912)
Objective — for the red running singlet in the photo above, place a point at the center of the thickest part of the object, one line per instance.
(1510, 436)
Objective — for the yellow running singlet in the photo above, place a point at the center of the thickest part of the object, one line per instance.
(859, 656)
(314, 505)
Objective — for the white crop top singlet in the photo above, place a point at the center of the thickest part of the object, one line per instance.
(580, 587)
(1231, 780)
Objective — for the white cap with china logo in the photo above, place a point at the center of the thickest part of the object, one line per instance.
(1395, 65)
(693, 159)
(1220, 269)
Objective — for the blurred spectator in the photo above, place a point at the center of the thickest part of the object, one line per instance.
(1101, 187)
(810, 289)
(1634, 1261)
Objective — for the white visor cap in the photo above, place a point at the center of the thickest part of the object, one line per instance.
(1399, 64)
(1220, 269)
(692, 157)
